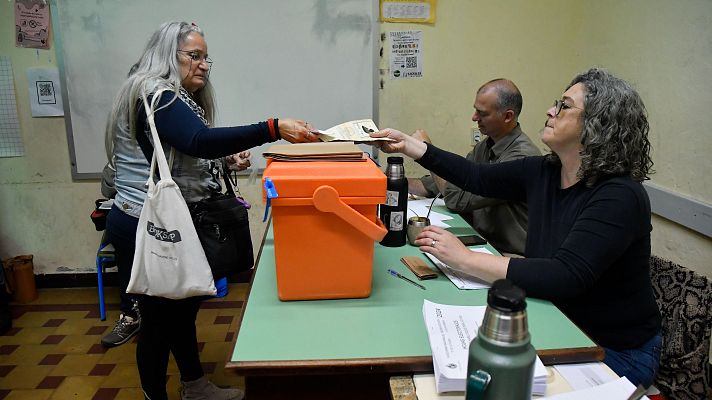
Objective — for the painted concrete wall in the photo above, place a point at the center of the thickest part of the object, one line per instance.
(662, 47)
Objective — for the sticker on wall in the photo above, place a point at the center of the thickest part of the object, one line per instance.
(406, 54)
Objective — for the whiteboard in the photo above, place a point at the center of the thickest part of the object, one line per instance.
(314, 60)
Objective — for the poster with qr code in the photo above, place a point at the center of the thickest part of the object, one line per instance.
(406, 54)
(45, 92)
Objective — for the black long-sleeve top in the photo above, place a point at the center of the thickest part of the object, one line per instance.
(587, 249)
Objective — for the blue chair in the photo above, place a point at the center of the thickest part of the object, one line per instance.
(104, 256)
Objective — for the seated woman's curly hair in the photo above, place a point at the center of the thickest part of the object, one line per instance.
(615, 129)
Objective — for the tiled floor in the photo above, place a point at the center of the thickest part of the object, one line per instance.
(54, 352)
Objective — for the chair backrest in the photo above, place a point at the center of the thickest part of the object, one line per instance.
(685, 301)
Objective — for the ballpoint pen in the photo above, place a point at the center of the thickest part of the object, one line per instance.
(397, 275)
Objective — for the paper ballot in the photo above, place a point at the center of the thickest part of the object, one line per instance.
(450, 331)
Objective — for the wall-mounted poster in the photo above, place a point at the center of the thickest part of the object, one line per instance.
(45, 92)
(32, 24)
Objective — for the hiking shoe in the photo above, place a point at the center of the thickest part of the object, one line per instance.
(124, 329)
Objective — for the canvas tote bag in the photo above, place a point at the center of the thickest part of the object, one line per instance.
(169, 260)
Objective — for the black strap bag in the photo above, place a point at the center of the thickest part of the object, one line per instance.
(224, 230)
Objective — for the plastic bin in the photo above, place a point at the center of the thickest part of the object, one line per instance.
(325, 225)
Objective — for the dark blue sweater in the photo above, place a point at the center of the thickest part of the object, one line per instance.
(587, 249)
(178, 126)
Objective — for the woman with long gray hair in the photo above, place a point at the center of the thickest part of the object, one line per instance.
(588, 242)
(176, 62)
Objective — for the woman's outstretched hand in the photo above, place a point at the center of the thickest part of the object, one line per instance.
(296, 131)
(399, 143)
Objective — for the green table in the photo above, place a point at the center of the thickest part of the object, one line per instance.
(383, 334)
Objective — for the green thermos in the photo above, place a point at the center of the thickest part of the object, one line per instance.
(501, 358)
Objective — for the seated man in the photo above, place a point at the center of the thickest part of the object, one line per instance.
(498, 104)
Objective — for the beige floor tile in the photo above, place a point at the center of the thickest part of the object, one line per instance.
(124, 354)
(76, 364)
(31, 320)
(81, 326)
(25, 376)
(206, 317)
(215, 351)
(29, 394)
(129, 394)
(28, 354)
(74, 344)
(33, 335)
(78, 387)
(211, 332)
(122, 376)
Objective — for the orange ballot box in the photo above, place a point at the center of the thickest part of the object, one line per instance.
(325, 222)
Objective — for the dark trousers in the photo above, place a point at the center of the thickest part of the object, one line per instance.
(121, 232)
(167, 326)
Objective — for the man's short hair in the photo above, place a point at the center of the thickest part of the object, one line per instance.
(508, 95)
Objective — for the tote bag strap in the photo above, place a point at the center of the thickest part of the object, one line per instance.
(159, 157)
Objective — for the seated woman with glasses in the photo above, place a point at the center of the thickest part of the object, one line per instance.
(175, 60)
(588, 243)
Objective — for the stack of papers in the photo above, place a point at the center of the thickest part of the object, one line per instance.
(620, 388)
(450, 331)
(315, 152)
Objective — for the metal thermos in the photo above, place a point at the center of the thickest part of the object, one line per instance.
(501, 357)
(393, 212)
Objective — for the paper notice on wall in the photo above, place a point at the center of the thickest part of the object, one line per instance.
(408, 11)
(45, 92)
(32, 24)
(10, 136)
(406, 56)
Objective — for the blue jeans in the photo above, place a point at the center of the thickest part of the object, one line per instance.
(638, 365)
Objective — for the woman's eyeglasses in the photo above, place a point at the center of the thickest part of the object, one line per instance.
(197, 56)
(560, 105)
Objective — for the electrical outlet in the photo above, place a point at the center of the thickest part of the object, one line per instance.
(475, 135)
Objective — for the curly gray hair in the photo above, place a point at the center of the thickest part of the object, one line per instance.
(615, 129)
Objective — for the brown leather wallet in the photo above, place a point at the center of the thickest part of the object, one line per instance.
(419, 267)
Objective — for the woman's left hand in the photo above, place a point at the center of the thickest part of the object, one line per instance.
(443, 245)
(239, 161)
(296, 131)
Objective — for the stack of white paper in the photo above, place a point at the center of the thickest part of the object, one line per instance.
(450, 330)
(620, 388)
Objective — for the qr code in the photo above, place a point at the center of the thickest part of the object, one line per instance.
(45, 88)
(411, 62)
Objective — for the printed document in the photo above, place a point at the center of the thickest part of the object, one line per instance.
(584, 375)
(352, 131)
(458, 278)
(450, 331)
(620, 388)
